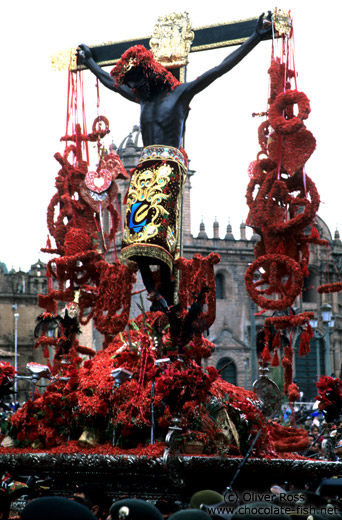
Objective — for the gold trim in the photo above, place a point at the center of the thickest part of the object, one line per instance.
(226, 43)
(182, 74)
(231, 22)
(107, 63)
(149, 154)
(120, 41)
(147, 250)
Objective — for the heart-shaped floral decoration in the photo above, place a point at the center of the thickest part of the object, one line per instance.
(98, 181)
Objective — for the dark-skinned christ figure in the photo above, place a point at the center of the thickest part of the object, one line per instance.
(152, 221)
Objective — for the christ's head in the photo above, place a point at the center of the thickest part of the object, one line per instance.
(139, 70)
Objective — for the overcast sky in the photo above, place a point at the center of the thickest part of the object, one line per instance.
(221, 138)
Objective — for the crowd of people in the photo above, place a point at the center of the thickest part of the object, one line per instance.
(325, 442)
(89, 502)
(325, 439)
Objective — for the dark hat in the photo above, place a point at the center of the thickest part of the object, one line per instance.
(190, 514)
(134, 509)
(56, 508)
(331, 487)
(207, 497)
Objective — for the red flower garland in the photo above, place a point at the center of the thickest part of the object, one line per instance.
(282, 102)
(282, 201)
(330, 287)
(114, 291)
(294, 320)
(196, 274)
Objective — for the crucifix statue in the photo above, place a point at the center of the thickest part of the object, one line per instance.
(151, 226)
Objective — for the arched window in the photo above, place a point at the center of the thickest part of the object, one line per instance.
(227, 369)
(219, 282)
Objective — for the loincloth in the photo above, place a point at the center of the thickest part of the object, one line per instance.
(153, 210)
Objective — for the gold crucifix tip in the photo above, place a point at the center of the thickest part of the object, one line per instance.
(282, 21)
(64, 60)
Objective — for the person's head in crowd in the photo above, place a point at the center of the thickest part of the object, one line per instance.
(93, 497)
(207, 497)
(134, 509)
(315, 430)
(166, 507)
(314, 445)
(56, 508)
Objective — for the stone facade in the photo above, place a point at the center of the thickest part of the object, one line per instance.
(18, 313)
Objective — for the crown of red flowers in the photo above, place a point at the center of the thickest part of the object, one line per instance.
(139, 56)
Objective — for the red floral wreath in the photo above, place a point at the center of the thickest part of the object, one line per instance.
(283, 101)
(299, 220)
(276, 267)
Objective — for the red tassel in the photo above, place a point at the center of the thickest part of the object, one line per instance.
(304, 345)
(305, 270)
(293, 393)
(309, 330)
(275, 360)
(265, 355)
(276, 340)
(314, 232)
(287, 365)
(46, 352)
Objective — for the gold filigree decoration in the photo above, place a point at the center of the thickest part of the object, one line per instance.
(171, 40)
(64, 60)
(147, 189)
(282, 21)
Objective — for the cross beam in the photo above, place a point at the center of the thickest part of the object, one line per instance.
(205, 38)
